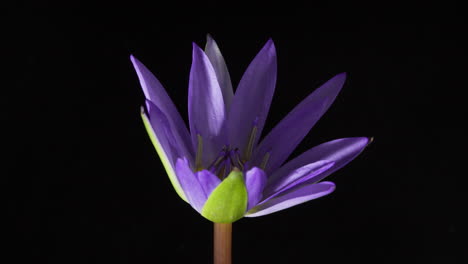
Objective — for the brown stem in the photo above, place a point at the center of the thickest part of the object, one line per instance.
(222, 243)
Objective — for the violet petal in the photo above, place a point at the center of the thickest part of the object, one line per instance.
(252, 99)
(222, 73)
(208, 181)
(205, 106)
(297, 177)
(188, 181)
(295, 126)
(161, 127)
(155, 92)
(255, 181)
(158, 129)
(292, 198)
(341, 151)
(178, 148)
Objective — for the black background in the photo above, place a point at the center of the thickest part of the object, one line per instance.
(84, 184)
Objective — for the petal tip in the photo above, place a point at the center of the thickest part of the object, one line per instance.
(195, 46)
(180, 162)
(330, 187)
(270, 45)
(134, 60)
(211, 44)
(144, 112)
(270, 41)
(330, 184)
(343, 75)
(340, 78)
(197, 51)
(362, 142)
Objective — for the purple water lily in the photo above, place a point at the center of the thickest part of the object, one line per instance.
(221, 168)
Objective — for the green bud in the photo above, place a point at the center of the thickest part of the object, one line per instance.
(228, 202)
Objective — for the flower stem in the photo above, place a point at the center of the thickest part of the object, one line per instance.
(222, 243)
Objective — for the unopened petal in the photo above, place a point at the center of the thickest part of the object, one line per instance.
(292, 198)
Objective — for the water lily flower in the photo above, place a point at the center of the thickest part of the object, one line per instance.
(219, 165)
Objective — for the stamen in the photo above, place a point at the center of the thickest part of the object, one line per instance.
(249, 149)
(222, 172)
(216, 163)
(231, 156)
(228, 159)
(227, 166)
(238, 159)
(198, 157)
(265, 160)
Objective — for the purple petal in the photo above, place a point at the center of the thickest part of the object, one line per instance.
(162, 130)
(158, 129)
(252, 98)
(188, 181)
(340, 151)
(255, 181)
(175, 142)
(155, 93)
(175, 139)
(222, 73)
(206, 106)
(297, 177)
(208, 181)
(292, 198)
(295, 126)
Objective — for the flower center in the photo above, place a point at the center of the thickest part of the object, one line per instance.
(228, 159)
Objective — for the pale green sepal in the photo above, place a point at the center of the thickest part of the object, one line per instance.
(228, 202)
(162, 155)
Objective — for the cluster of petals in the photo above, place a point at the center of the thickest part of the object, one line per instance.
(219, 164)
